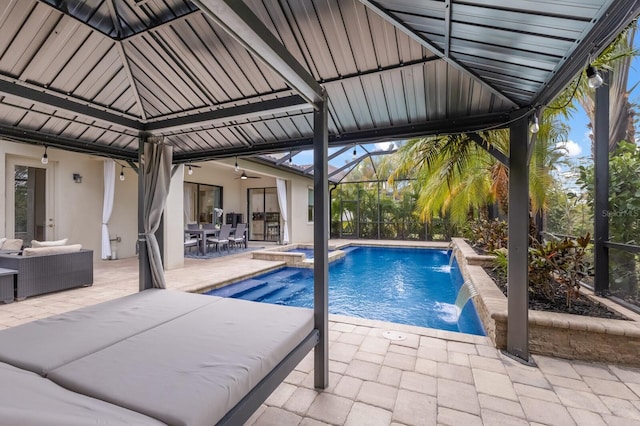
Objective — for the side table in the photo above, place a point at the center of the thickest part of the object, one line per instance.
(7, 283)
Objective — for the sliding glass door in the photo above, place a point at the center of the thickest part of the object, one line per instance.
(202, 203)
(264, 214)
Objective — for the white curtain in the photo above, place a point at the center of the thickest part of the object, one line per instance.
(107, 205)
(157, 178)
(282, 202)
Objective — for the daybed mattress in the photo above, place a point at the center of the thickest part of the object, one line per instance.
(180, 358)
(40, 346)
(27, 399)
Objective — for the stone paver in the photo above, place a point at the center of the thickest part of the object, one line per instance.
(367, 415)
(432, 377)
(547, 413)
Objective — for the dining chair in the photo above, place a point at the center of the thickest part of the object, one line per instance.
(222, 239)
(239, 237)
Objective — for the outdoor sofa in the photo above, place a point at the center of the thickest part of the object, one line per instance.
(154, 357)
(46, 269)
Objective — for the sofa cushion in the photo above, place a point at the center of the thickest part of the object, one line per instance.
(2, 240)
(40, 251)
(36, 243)
(12, 244)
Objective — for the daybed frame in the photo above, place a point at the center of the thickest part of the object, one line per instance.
(123, 369)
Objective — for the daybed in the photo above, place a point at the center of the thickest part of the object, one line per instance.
(155, 357)
(49, 269)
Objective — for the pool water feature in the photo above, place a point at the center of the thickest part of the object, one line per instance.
(401, 285)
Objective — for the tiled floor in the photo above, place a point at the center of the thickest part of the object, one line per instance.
(431, 377)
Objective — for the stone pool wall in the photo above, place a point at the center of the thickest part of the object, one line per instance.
(298, 260)
(561, 335)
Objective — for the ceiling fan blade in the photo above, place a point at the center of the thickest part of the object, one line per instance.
(244, 176)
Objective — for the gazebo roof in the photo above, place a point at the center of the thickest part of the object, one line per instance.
(217, 78)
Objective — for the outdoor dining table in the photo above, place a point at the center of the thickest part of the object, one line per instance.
(202, 235)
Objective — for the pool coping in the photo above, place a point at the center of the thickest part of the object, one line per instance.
(297, 260)
(554, 334)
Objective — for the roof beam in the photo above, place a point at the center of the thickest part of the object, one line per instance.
(18, 134)
(132, 81)
(447, 28)
(331, 157)
(384, 14)
(232, 113)
(491, 149)
(287, 157)
(439, 127)
(364, 156)
(242, 24)
(52, 99)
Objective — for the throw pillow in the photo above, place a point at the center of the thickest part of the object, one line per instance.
(2, 240)
(12, 244)
(35, 243)
(40, 251)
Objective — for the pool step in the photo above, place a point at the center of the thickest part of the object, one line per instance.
(261, 293)
(285, 274)
(291, 291)
(241, 288)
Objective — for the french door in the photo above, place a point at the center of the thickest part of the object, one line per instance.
(29, 209)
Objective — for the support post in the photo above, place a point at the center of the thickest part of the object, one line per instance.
(601, 182)
(518, 273)
(321, 242)
(144, 268)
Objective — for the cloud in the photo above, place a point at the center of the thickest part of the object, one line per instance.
(385, 146)
(572, 148)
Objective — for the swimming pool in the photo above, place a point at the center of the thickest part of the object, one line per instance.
(401, 285)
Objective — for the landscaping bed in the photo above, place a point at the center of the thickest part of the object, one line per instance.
(580, 304)
(560, 334)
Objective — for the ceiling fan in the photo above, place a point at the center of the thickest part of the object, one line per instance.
(245, 176)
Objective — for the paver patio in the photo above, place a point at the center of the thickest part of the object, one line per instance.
(431, 377)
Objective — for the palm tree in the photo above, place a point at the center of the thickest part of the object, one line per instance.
(457, 176)
(452, 175)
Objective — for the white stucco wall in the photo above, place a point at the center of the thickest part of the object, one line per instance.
(75, 209)
(235, 191)
(301, 228)
(173, 214)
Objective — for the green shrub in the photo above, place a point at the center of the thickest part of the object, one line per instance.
(489, 235)
(558, 262)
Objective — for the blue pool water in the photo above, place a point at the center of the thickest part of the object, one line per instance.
(401, 285)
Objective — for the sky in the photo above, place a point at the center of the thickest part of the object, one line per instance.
(578, 143)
